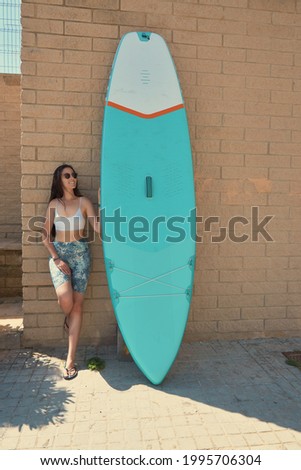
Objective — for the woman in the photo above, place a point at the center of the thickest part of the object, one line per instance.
(69, 261)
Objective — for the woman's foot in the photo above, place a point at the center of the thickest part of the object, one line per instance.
(70, 372)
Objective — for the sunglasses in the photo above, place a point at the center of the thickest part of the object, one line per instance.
(67, 175)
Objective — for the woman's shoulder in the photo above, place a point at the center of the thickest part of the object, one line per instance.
(53, 203)
(84, 200)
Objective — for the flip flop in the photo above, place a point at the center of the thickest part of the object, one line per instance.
(71, 373)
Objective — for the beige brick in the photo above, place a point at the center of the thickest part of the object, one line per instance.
(82, 85)
(268, 109)
(28, 39)
(147, 6)
(44, 140)
(63, 13)
(240, 326)
(28, 96)
(42, 55)
(284, 274)
(104, 45)
(291, 123)
(77, 141)
(247, 95)
(219, 133)
(268, 135)
(296, 162)
(198, 38)
(90, 30)
(51, 2)
(273, 5)
(36, 280)
(172, 22)
(40, 111)
(242, 276)
(197, 66)
(64, 126)
(269, 161)
(286, 97)
(270, 57)
(218, 288)
(224, 107)
(294, 312)
(194, 330)
(42, 83)
(255, 29)
(121, 18)
(269, 83)
(32, 336)
(287, 148)
(64, 70)
(243, 300)
(28, 125)
(28, 182)
(105, 4)
(29, 293)
(29, 266)
(284, 325)
(297, 85)
(27, 10)
(62, 42)
(246, 147)
(249, 313)
(217, 26)
(264, 287)
(43, 26)
(246, 69)
(63, 98)
(247, 42)
(259, 122)
(216, 314)
(221, 53)
(198, 11)
(220, 80)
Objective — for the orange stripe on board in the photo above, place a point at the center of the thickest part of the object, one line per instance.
(142, 115)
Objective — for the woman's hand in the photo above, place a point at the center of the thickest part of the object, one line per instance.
(62, 266)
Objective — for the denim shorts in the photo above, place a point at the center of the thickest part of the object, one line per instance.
(77, 255)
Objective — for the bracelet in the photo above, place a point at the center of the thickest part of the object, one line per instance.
(54, 259)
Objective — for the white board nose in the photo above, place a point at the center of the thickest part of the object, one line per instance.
(144, 78)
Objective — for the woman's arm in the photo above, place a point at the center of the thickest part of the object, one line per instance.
(47, 228)
(47, 241)
(93, 219)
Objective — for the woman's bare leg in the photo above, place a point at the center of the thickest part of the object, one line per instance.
(74, 322)
(71, 303)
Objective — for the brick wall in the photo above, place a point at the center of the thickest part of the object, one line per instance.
(239, 63)
(10, 268)
(10, 165)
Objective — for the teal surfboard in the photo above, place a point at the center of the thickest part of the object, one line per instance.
(147, 202)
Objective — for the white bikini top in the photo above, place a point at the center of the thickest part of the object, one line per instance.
(66, 224)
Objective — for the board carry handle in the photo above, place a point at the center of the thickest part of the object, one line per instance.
(149, 186)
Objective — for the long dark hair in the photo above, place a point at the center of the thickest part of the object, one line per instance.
(57, 191)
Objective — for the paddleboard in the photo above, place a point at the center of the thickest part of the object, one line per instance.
(147, 202)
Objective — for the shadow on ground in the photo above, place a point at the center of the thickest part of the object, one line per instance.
(28, 387)
(247, 377)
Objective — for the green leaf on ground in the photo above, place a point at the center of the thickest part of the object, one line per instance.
(96, 363)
